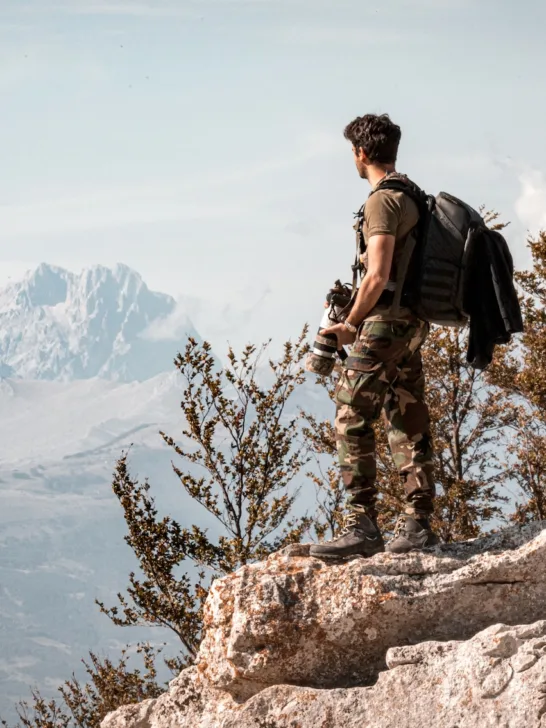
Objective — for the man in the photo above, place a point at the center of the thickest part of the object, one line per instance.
(384, 369)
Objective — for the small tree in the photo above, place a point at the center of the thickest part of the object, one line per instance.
(530, 378)
(164, 597)
(469, 417)
(523, 379)
(527, 463)
(84, 706)
(246, 446)
(246, 487)
(247, 453)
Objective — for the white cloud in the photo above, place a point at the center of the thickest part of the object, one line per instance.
(173, 327)
(531, 204)
(236, 315)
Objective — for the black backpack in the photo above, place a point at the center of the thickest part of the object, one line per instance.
(431, 270)
(453, 270)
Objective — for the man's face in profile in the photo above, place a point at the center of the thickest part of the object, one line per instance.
(359, 157)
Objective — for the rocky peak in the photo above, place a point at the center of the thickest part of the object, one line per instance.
(46, 286)
(55, 324)
(453, 637)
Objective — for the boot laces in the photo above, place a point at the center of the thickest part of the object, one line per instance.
(399, 527)
(349, 522)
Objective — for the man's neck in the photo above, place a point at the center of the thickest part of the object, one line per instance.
(376, 174)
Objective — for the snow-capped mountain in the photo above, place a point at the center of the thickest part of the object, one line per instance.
(58, 325)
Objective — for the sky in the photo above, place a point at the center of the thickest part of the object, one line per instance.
(201, 141)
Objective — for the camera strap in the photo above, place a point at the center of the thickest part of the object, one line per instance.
(358, 266)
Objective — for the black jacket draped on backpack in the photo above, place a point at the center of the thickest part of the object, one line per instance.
(489, 296)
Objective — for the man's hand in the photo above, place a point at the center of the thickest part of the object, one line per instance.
(344, 336)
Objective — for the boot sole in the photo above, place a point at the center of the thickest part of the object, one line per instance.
(413, 548)
(342, 557)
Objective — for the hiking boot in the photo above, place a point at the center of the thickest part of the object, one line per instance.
(411, 534)
(359, 537)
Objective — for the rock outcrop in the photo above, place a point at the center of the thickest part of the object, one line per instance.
(498, 678)
(391, 641)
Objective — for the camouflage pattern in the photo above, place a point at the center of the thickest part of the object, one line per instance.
(319, 364)
(384, 372)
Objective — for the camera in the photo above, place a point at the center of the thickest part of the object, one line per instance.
(322, 359)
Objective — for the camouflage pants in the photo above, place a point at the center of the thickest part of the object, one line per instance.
(384, 372)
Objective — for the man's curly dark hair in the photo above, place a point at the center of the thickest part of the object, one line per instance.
(377, 135)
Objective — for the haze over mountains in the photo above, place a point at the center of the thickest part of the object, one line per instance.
(86, 371)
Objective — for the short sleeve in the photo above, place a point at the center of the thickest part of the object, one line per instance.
(383, 213)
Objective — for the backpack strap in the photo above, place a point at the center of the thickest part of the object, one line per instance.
(357, 266)
(401, 183)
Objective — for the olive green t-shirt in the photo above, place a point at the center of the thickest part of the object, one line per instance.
(389, 212)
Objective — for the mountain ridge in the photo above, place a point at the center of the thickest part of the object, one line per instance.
(59, 325)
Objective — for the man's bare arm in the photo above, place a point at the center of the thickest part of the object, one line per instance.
(380, 250)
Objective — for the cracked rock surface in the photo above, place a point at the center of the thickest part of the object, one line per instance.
(497, 678)
(298, 620)
(396, 640)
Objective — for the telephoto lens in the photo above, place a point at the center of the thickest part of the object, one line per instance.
(322, 359)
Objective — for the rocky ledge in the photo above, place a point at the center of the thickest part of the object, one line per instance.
(393, 641)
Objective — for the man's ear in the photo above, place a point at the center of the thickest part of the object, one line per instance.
(361, 155)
